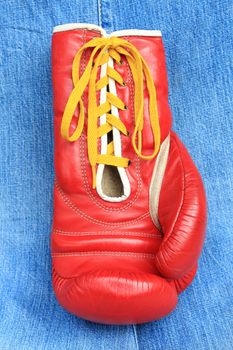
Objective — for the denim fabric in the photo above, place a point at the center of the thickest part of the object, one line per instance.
(198, 40)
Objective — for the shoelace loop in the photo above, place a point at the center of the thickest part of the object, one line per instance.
(102, 49)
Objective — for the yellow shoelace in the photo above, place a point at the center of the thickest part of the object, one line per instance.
(103, 48)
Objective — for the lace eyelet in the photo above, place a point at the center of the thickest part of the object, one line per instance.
(129, 162)
(125, 107)
(124, 83)
(120, 63)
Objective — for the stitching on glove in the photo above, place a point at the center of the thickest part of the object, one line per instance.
(72, 206)
(130, 233)
(104, 253)
(83, 151)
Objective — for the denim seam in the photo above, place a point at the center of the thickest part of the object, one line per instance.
(99, 13)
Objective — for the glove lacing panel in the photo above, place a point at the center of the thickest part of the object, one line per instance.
(103, 49)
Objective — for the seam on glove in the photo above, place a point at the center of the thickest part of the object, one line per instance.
(183, 195)
(75, 277)
(129, 233)
(105, 253)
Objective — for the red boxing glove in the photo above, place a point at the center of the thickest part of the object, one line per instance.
(129, 203)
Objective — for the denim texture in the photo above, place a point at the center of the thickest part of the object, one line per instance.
(198, 41)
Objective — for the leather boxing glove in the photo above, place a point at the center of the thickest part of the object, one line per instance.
(129, 203)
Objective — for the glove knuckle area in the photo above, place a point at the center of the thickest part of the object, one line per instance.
(114, 290)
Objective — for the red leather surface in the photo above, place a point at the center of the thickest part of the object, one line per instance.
(182, 213)
(110, 263)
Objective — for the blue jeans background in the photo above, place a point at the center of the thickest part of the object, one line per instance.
(198, 40)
